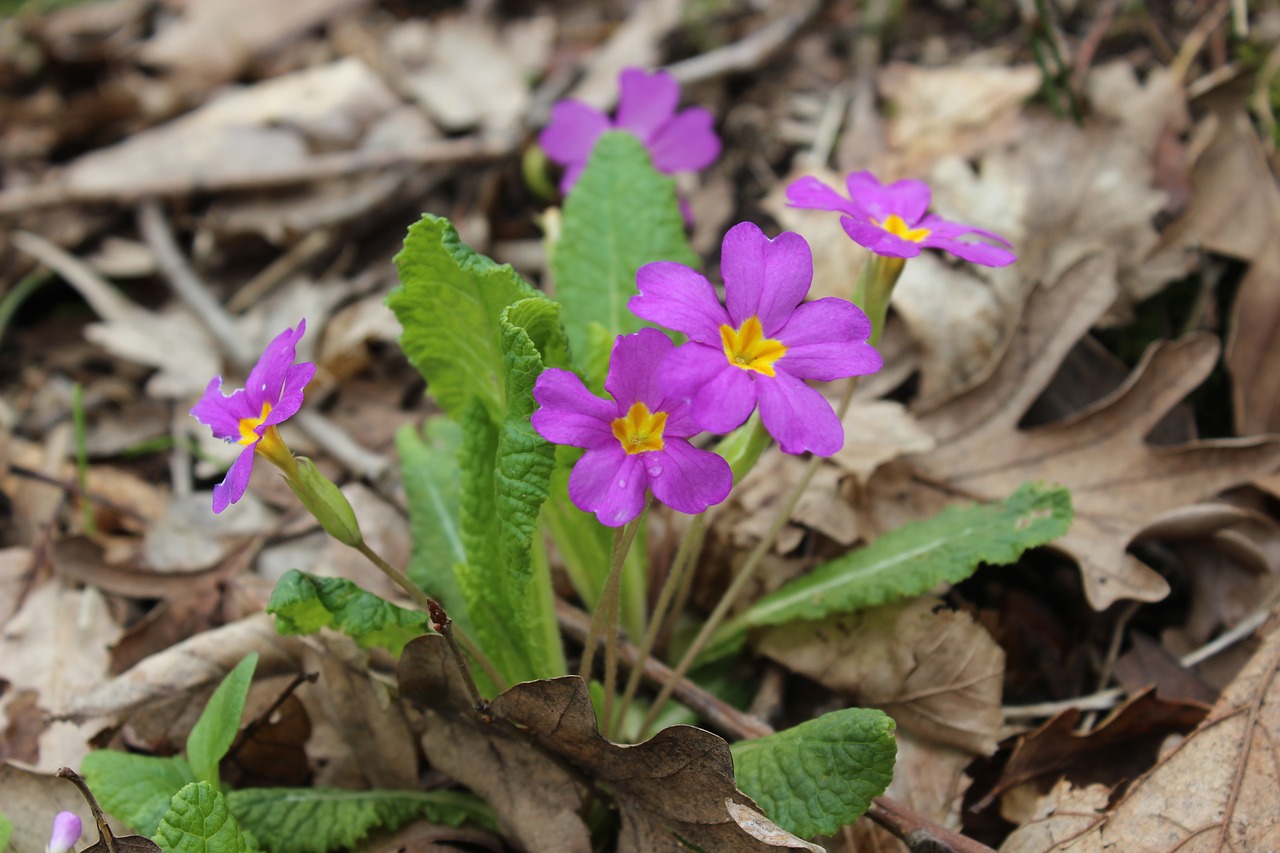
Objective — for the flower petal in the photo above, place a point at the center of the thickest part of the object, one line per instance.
(983, 254)
(609, 483)
(868, 195)
(232, 487)
(646, 100)
(686, 478)
(66, 832)
(762, 277)
(675, 296)
(295, 380)
(633, 369)
(878, 240)
(809, 192)
(221, 413)
(266, 380)
(687, 143)
(798, 417)
(570, 414)
(720, 395)
(909, 199)
(572, 132)
(827, 339)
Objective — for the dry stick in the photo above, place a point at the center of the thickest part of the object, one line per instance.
(104, 831)
(748, 53)
(914, 829)
(444, 625)
(76, 490)
(58, 192)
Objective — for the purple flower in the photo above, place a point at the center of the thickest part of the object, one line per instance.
(677, 142)
(272, 394)
(66, 832)
(891, 220)
(634, 442)
(761, 345)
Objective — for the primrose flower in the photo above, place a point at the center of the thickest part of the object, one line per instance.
(249, 416)
(66, 832)
(762, 344)
(677, 142)
(891, 220)
(635, 442)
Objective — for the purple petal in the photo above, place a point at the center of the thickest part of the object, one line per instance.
(827, 339)
(720, 395)
(809, 192)
(570, 176)
(878, 240)
(220, 413)
(687, 479)
(687, 143)
(939, 227)
(983, 254)
(610, 483)
(909, 199)
(869, 196)
(762, 277)
(292, 396)
(232, 487)
(674, 296)
(645, 101)
(66, 832)
(572, 133)
(633, 370)
(267, 379)
(798, 417)
(570, 414)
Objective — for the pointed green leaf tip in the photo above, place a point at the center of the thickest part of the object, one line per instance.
(916, 557)
(449, 301)
(198, 822)
(622, 214)
(215, 731)
(303, 604)
(821, 775)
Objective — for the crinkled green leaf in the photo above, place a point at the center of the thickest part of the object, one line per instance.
(304, 603)
(449, 301)
(198, 822)
(212, 735)
(622, 214)
(429, 462)
(136, 789)
(821, 775)
(317, 820)
(916, 557)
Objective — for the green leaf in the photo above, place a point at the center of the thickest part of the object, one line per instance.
(821, 775)
(916, 557)
(316, 820)
(622, 214)
(6, 830)
(198, 822)
(212, 735)
(506, 468)
(449, 301)
(136, 789)
(303, 604)
(429, 462)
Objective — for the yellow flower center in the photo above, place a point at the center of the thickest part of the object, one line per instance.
(747, 347)
(248, 425)
(640, 430)
(896, 226)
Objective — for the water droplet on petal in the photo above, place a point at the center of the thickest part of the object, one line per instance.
(655, 471)
(622, 484)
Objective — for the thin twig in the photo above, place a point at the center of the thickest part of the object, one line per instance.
(920, 834)
(748, 53)
(75, 489)
(444, 625)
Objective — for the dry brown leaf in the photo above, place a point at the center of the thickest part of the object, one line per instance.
(30, 801)
(1216, 791)
(876, 432)
(936, 672)
(1059, 817)
(1235, 210)
(1119, 484)
(671, 791)
(15, 563)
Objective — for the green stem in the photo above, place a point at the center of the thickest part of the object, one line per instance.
(427, 605)
(82, 453)
(680, 566)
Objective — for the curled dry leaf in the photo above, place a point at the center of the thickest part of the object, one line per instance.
(1216, 791)
(936, 672)
(671, 791)
(1119, 484)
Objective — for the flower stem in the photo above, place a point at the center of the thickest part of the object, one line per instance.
(606, 615)
(680, 566)
(427, 605)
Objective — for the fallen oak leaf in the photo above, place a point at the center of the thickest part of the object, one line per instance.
(1120, 485)
(671, 791)
(1215, 791)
